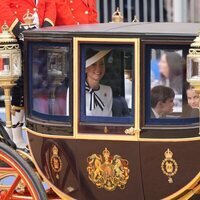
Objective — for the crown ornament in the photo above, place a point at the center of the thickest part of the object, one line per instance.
(196, 41)
(168, 154)
(55, 150)
(28, 18)
(106, 154)
(117, 17)
(5, 28)
(6, 36)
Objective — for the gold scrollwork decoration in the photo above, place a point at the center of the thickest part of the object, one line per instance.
(55, 161)
(169, 166)
(194, 51)
(108, 172)
(131, 131)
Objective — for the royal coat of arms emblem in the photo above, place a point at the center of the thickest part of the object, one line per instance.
(108, 172)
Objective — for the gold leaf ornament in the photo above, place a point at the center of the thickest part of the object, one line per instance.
(169, 166)
(107, 171)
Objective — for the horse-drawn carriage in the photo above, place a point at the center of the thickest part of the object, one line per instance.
(129, 154)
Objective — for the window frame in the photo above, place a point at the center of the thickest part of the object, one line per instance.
(62, 124)
(104, 130)
(89, 119)
(158, 130)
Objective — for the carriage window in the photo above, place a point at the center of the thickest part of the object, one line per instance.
(170, 96)
(107, 83)
(50, 77)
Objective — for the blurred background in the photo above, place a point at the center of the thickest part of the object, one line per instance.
(150, 10)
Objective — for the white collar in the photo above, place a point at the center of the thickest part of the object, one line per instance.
(155, 113)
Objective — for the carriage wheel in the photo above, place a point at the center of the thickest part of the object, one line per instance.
(17, 179)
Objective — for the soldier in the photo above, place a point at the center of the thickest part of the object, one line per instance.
(71, 12)
(13, 12)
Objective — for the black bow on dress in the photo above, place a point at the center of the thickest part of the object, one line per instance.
(94, 99)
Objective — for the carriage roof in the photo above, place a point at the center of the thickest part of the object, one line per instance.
(124, 29)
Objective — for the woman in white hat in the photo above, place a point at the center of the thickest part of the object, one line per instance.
(98, 97)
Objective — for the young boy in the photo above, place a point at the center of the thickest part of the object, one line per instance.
(162, 101)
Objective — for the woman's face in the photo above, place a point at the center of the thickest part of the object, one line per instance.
(163, 66)
(193, 98)
(96, 71)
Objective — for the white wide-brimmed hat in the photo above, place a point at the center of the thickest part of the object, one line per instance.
(97, 56)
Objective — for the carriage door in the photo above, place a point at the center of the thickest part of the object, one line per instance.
(106, 80)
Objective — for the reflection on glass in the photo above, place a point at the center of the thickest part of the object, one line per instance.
(16, 62)
(167, 69)
(50, 73)
(4, 64)
(108, 81)
(196, 68)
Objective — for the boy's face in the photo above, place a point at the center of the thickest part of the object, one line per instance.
(96, 71)
(167, 106)
(193, 98)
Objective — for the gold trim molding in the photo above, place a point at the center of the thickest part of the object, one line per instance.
(76, 69)
(192, 188)
(132, 131)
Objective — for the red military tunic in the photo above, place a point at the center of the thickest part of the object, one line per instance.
(75, 12)
(12, 11)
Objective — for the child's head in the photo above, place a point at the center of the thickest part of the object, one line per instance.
(192, 97)
(162, 99)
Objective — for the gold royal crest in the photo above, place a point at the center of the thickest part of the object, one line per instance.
(169, 166)
(55, 161)
(108, 171)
